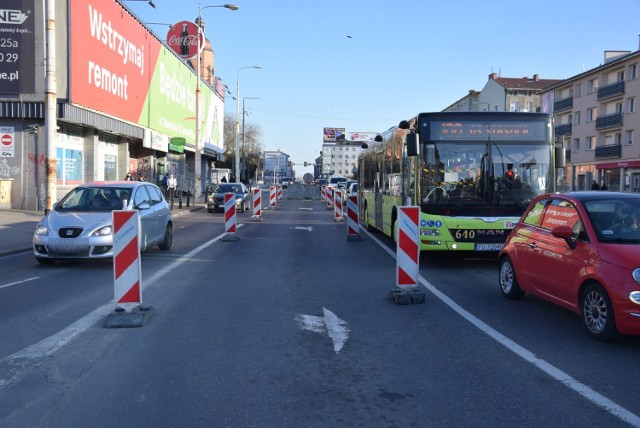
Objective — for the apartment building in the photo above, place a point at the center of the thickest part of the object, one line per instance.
(596, 121)
(505, 94)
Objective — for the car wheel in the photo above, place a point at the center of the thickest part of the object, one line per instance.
(45, 261)
(508, 282)
(168, 238)
(597, 313)
(209, 210)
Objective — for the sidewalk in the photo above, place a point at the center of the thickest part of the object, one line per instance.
(17, 227)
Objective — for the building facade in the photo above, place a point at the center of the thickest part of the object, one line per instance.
(118, 109)
(596, 121)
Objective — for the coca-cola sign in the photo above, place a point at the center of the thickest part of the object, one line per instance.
(184, 38)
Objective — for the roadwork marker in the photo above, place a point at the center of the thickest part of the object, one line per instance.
(257, 205)
(129, 311)
(353, 224)
(407, 257)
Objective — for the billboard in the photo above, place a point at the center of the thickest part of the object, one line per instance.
(360, 137)
(333, 135)
(17, 47)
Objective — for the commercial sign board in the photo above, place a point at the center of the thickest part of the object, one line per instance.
(118, 67)
(186, 39)
(360, 137)
(17, 47)
(333, 135)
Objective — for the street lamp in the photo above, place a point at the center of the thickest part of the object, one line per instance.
(244, 159)
(197, 182)
(236, 144)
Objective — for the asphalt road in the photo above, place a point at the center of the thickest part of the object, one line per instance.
(290, 325)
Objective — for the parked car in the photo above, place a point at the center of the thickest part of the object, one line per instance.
(215, 201)
(80, 225)
(579, 250)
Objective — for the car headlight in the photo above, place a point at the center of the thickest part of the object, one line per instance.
(103, 231)
(636, 275)
(635, 297)
(42, 230)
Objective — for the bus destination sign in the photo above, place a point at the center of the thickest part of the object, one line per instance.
(441, 130)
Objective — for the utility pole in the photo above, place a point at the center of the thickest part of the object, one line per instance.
(51, 100)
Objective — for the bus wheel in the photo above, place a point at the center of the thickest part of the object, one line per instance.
(367, 223)
(394, 230)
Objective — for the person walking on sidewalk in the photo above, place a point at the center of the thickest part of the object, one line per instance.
(172, 184)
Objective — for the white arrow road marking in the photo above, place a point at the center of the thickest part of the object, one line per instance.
(329, 323)
(307, 228)
(307, 209)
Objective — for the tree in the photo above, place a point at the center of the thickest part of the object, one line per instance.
(252, 143)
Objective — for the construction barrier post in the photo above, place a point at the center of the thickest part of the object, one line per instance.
(337, 204)
(279, 197)
(230, 217)
(353, 224)
(329, 198)
(129, 311)
(272, 197)
(323, 191)
(407, 257)
(257, 205)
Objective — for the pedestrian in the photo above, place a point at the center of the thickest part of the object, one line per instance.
(594, 185)
(603, 187)
(128, 177)
(172, 184)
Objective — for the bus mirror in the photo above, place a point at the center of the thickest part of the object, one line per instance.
(412, 144)
(378, 138)
(404, 124)
(560, 157)
(364, 145)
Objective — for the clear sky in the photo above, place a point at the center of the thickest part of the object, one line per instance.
(364, 65)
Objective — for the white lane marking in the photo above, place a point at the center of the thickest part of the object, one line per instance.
(329, 323)
(557, 374)
(48, 346)
(307, 228)
(19, 282)
(306, 209)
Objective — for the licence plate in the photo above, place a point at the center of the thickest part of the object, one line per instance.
(488, 247)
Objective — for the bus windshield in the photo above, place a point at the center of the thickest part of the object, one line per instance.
(483, 178)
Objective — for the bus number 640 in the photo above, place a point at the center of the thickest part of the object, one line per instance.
(465, 234)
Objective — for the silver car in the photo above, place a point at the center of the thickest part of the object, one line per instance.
(215, 201)
(80, 225)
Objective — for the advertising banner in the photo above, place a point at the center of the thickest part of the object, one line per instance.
(17, 47)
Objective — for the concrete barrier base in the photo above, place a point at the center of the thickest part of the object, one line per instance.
(138, 317)
(407, 297)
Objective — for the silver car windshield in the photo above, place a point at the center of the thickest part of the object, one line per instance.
(94, 199)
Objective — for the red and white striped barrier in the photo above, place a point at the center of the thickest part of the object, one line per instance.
(272, 196)
(279, 197)
(329, 198)
(337, 205)
(353, 224)
(408, 248)
(323, 193)
(257, 205)
(126, 259)
(230, 217)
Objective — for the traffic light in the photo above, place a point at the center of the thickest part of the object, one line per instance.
(305, 164)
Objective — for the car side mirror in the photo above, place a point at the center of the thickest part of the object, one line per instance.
(564, 232)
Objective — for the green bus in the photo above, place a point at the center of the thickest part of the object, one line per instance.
(471, 173)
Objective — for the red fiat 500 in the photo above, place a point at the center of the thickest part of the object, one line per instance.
(579, 250)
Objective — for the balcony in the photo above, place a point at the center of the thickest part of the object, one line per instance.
(563, 104)
(612, 151)
(564, 129)
(612, 90)
(609, 121)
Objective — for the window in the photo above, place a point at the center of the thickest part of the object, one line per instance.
(617, 138)
(529, 106)
(620, 76)
(631, 105)
(576, 144)
(576, 118)
(590, 143)
(578, 90)
(515, 106)
(592, 114)
(618, 108)
(633, 71)
(629, 136)
(592, 85)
